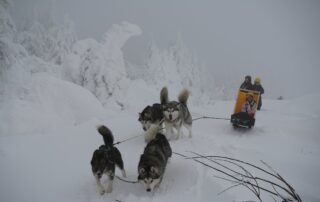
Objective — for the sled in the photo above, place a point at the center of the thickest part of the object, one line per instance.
(243, 119)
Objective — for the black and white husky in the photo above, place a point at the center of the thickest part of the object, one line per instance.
(154, 160)
(151, 115)
(105, 159)
(176, 113)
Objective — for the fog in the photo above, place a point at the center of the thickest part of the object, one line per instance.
(275, 40)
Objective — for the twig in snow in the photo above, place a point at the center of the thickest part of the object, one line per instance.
(245, 178)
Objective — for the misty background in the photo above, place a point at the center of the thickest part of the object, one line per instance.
(275, 40)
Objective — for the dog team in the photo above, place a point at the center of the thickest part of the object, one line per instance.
(173, 115)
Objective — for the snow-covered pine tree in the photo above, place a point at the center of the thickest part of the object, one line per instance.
(155, 69)
(191, 72)
(10, 52)
(7, 26)
(177, 67)
(49, 41)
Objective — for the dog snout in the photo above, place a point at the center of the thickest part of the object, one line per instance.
(170, 116)
(148, 190)
(144, 128)
(99, 174)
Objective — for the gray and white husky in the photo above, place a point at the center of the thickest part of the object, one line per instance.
(176, 113)
(154, 160)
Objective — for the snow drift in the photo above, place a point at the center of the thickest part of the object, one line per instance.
(46, 103)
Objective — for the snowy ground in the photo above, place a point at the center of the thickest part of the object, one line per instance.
(54, 165)
(51, 89)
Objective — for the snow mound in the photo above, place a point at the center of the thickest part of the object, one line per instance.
(47, 103)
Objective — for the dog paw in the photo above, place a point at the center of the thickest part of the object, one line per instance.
(124, 173)
(109, 189)
(102, 191)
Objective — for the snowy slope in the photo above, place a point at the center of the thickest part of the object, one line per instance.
(45, 103)
(54, 165)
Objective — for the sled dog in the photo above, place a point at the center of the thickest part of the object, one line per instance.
(105, 159)
(154, 159)
(151, 115)
(176, 113)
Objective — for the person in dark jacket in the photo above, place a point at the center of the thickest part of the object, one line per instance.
(258, 87)
(247, 85)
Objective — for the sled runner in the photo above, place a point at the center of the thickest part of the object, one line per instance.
(245, 109)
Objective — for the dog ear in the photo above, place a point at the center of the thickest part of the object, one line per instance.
(154, 170)
(142, 170)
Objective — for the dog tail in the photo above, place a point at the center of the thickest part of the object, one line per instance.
(183, 96)
(106, 134)
(164, 99)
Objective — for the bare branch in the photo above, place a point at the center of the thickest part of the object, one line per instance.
(251, 177)
(245, 177)
(233, 186)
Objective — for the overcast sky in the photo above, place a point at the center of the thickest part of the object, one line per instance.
(276, 40)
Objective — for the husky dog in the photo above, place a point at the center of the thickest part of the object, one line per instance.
(105, 159)
(151, 115)
(154, 159)
(175, 113)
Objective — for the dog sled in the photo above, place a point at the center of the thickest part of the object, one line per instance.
(245, 109)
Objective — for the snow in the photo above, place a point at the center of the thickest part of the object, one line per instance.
(54, 165)
(52, 99)
(50, 103)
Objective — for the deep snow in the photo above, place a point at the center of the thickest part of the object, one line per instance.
(53, 165)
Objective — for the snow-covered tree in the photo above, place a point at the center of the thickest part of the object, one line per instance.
(7, 26)
(100, 67)
(157, 68)
(177, 67)
(10, 52)
(51, 42)
(190, 70)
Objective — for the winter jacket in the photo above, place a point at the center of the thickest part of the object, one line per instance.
(259, 88)
(246, 85)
